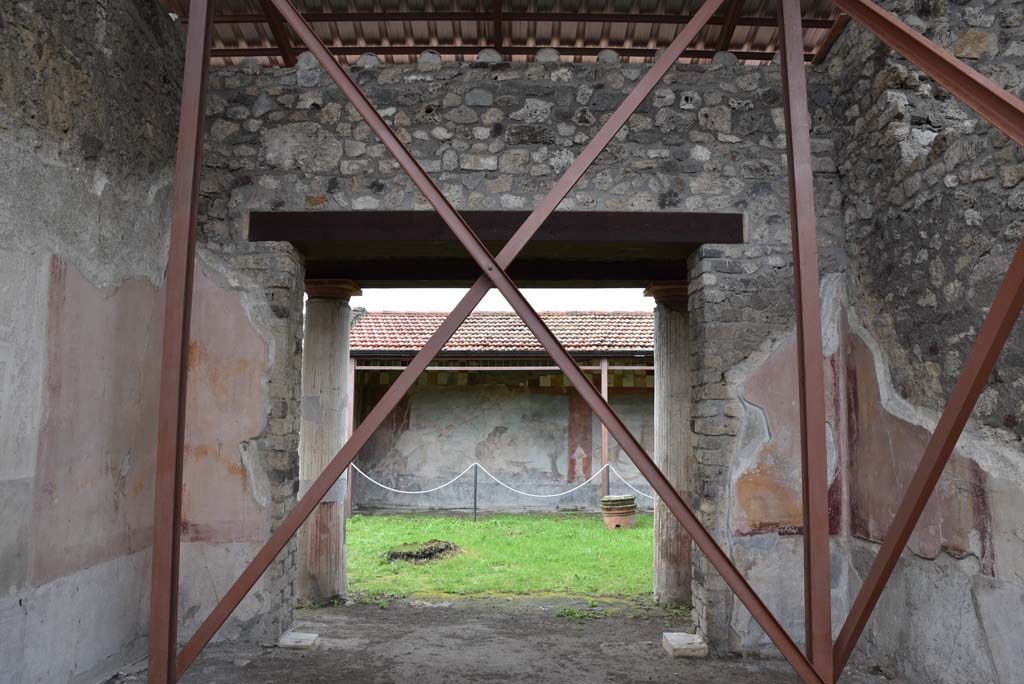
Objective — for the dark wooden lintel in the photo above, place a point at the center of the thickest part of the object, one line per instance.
(616, 227)
(572, 248)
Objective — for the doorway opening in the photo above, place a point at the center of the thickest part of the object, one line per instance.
(495, 454)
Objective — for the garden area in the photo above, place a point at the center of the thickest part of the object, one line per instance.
(513, 554)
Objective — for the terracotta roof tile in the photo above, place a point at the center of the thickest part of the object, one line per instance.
(503, 332)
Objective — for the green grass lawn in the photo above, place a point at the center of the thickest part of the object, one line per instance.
(502, 554)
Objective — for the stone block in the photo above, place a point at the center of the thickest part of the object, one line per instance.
(298, 641)
(684, 645)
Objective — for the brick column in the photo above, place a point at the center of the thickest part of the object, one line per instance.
(323, 430)
(672, 450)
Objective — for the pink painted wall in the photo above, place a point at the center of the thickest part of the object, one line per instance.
(884, 452)
(94, 473)
(227, 406)
(874, 450)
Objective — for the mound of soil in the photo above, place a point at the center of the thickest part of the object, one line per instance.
(431, 550)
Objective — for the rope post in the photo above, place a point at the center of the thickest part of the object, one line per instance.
(476, 475)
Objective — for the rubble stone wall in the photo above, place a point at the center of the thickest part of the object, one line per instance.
(933, 212)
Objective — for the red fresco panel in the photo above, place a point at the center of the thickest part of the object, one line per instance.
(226, 406)
(580, 448)
(98, 426)
(884, 452)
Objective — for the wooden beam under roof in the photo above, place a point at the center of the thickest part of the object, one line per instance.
(587, 17)
(572, 51)
(499, 24)
(833, 35)
(732, 18)
(280, 33)
(467, 28)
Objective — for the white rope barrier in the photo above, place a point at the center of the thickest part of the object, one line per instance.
(619, 475)
(542, 496)
(455, 479)
(422, 491)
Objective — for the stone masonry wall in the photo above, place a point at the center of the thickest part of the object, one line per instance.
(933, 212)
(935, 200)
(741, 308)
(495, 135)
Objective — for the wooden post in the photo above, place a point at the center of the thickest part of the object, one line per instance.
(673, 558)
(605, 476)
(350, 476)
(324, 429)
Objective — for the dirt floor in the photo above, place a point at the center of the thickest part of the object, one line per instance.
(537, 640)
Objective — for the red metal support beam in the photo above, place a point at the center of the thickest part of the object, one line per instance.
(810, 359)
(163, 615)
(494, 271)
(998, 107)
(280, 33)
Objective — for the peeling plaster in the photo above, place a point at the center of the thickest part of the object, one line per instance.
(998, 452)
(259, 483)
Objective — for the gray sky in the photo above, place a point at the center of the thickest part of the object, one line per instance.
(542, 299)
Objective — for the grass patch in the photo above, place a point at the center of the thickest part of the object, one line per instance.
(580, 615)
(502, 554)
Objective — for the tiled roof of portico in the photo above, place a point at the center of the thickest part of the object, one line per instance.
(499, 332)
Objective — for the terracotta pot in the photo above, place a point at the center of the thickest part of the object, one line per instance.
(619, 511)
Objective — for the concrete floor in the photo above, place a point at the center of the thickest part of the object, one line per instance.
(537, 640)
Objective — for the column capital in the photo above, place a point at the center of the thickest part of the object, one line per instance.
(332, 288)
(673, 293)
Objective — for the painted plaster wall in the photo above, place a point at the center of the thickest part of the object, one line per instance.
(933, 215)
(948, 613)
(86, 153)
(540, 440)
(87, 140)
(926, 198)
(764, 505)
